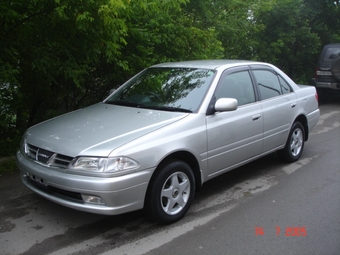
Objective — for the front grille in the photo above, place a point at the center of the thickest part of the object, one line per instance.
(43, 155)
(47, 157)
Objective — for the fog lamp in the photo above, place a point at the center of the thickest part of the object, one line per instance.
(93, 199)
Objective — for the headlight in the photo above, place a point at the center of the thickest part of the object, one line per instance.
(104, 165)
(23, 145)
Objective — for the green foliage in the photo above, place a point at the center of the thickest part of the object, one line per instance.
(160, 32)
(53, 46)
(324, 19)
(289, 42)
(228, 22)
(7, 165)
(59, 55)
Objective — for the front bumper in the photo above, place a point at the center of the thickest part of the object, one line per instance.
(120, 194)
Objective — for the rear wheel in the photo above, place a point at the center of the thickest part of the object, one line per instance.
(170, 193)
(294, 145)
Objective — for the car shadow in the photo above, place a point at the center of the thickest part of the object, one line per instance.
(330, 98)
(253, 170)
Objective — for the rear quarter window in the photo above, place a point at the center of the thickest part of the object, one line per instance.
(331, 54)
(270, 84)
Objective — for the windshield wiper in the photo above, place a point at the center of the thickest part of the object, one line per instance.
(126, 103)
(169, 108)
(155, 107)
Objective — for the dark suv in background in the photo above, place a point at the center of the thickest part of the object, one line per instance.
(327, 73)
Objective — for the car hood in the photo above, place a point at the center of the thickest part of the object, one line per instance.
(97, 130)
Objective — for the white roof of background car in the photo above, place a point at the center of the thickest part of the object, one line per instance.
(208, 64)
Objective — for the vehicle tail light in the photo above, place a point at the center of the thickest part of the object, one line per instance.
(317, 96)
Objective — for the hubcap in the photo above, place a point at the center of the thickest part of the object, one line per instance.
(175, 193)
(296, 142)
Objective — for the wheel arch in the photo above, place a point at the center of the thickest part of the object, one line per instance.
(153, 203)
(186, 157)
(303, 120)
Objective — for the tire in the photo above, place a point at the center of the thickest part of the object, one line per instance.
(170, 193)
(294, 145)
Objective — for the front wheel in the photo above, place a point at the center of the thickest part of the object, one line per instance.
(170, 193)
(294, 145)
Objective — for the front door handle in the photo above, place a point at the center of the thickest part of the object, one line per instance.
(256, 116)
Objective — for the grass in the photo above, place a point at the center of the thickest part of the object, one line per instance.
(8, 165)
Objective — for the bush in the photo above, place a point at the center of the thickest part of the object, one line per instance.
(7, 165)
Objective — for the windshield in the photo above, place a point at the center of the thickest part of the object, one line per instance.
(169, 89)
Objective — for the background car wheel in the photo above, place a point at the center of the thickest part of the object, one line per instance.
(170, 193)
(294, 145)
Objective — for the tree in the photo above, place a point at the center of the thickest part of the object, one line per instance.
(286, 39)
(60, 55)
(324, 19)
(48, 51)
(57, 56)
(165, 31)
(229, 20)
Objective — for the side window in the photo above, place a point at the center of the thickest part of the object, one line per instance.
(331, 53)
(268, 83)
(237, 85)
(285, 88)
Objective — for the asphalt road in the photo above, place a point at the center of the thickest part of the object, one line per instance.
(265, 207)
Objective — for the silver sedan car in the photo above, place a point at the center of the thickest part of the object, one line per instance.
(156, 139)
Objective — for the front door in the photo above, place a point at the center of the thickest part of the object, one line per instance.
(236, 136)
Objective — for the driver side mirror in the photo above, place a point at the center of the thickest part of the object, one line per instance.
(226, 104)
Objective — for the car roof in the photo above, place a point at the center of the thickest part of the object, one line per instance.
(208, 64)
(332, 45)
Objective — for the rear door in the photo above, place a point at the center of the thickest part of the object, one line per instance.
(235, 136)
(278, 106)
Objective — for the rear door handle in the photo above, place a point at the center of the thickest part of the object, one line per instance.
(293, 105)
(256, 116)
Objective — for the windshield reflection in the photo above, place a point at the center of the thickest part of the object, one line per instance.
(172, 89)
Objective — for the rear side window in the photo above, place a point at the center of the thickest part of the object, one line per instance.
(331, 53)
(270, 84)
